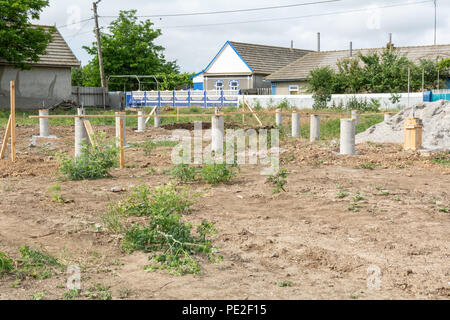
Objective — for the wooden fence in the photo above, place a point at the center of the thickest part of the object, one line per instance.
(90, 96)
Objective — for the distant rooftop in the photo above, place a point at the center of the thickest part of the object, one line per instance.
(301, 68)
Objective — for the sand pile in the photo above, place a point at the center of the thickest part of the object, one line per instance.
(436, 126)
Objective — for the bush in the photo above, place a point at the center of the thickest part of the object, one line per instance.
(278, 181)
(143, 202)
(171, 241)
(218, 173)
(94, 162)
(212, 174)
(6, 263)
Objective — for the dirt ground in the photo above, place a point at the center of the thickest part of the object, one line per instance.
(307, 235)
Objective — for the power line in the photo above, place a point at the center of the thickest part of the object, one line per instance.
(294, 18)
(232, 11)
(78, 22)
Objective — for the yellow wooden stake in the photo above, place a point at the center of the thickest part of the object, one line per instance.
(122, 150)
(13, 121)
(90, 131)
(5, 139)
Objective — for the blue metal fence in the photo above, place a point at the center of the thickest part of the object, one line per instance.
(436, 95)
(188, 98)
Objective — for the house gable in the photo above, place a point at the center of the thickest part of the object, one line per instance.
(228, 61)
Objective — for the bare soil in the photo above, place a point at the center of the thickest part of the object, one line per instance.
(307, 235)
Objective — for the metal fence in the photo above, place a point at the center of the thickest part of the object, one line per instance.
(90, 96)
(183, 98)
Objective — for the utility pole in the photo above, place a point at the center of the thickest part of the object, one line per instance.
(99, 46)
(435, 22)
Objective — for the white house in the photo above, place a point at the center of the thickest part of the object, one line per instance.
(240, 66)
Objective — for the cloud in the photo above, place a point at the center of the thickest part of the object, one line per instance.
(193, 48)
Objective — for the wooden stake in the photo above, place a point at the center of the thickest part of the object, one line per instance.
(122, 150)
(5, 139)
(13, 121)
(254, 114)
(153, 111)
(90, 131)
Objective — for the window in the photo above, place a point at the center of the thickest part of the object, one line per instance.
(234, 85)
(293, 90)
(219, 85)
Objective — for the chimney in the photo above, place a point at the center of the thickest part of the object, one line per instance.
(318, 41)
(351, 49)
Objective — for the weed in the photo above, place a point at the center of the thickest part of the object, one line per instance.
(36, 264)
(278, 181)
(285, 284)
(397, 198)
(185, 173)
(443, 209)
(143, 202)
(218, 173)
(124, 293)
(6, 263)
(59, 198)
(368, 166)
(442, 158)
(99, 291)
(38, 296)
(341, 195)
(112, 221)
(358, 197)
(353, 207)
(56, 187)
(72, 294)
(148, 146)
(94, 162)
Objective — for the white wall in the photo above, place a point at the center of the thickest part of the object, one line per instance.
(228, 62)
(306, 101)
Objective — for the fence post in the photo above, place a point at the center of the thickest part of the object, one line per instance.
(189, 98)
(159, 99)
(145, 98)
(44, 124)
(315, 128)
(173, 97)
(222, 98)
(205, 99)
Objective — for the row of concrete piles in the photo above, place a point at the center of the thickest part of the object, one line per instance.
(347, 139)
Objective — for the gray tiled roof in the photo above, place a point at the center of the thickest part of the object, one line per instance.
(58, 53)
(267, 59)
(301, 68)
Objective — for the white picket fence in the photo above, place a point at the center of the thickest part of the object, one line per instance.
(307, 101)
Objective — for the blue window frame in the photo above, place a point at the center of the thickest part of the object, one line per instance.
(219, 85)
(234, 85)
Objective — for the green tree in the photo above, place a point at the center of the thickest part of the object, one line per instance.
(322, 85)
(20, 41)
(129, 49)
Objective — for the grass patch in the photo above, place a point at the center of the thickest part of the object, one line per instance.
(31, 263)
(284, 284)
(442, 158)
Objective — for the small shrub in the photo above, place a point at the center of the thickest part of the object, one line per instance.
(218, 173)
(284, 284)
(94, 162)
(6, 263)
(185, 173)
(278, 181)
(171, 243)
(143, 202)
(72, 294)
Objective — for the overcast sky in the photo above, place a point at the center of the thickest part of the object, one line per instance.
(194, 47)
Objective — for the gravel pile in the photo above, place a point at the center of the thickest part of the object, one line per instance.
(436, 126)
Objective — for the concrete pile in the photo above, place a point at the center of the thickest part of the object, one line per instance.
(436, 126)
